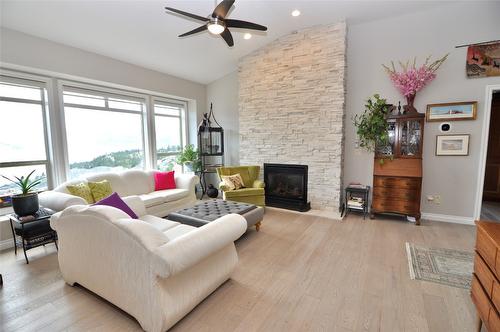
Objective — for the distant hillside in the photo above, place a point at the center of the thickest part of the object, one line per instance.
(126, 159)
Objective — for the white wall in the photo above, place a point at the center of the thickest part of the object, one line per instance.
(435, 32)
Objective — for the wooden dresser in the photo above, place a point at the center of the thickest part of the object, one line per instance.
(397, 182)
(485, 290)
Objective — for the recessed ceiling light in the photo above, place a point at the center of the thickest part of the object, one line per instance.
(296, 13)
(247, 35)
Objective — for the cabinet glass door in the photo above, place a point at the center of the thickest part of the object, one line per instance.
(410, 139)
(390, 148)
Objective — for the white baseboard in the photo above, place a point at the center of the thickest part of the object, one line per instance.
(6, 244)
(448, 218)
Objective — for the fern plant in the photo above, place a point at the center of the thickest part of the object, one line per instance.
(190, 157)
(25, 183)
(371, 125)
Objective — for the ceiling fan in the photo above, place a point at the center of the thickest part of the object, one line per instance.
(217, 23)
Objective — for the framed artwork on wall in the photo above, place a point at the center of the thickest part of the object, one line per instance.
(483, 60)
(452, 145)
(451, 111)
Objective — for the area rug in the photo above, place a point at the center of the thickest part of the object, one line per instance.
(444, 266)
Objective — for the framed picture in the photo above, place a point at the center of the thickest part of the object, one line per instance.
(451, 111)
(452, 145)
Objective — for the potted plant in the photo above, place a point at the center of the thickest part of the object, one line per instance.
(189, 158)
(371, 125)
(25, 203)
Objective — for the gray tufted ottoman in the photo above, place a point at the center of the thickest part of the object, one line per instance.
(208, 211)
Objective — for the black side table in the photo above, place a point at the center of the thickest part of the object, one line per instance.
(33, 233)
(356, 199)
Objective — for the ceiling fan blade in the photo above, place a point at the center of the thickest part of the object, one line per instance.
(244, 25)
(222, 8)
(196, 17)
(192, 32)
(226, 35)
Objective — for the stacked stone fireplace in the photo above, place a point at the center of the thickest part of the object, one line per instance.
(292, 108)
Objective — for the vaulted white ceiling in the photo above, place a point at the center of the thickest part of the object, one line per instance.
(142, 33)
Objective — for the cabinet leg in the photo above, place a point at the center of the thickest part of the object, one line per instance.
(257, 226)
(417, 219)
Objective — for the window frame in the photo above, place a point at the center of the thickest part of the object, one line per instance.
(44, 84)
(107, 92)
(154, 100)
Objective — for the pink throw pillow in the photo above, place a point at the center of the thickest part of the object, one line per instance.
(164, 180)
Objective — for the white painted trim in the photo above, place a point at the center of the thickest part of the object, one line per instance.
(448, 218)
(483, 150)
(6, 244)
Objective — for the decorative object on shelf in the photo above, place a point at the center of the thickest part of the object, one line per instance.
(452, 145)
(25, 203)
(399, 107)
(211, 147)
(371, 125)
(356, 198)
(452, 111)
(483, 59)
(212, 192)
(412, 79)
(397, 183)
(189, 158)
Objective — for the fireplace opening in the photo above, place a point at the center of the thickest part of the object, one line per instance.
(286, 186)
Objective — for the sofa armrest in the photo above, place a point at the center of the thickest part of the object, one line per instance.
(186, 181)
(136, 204)
(258, 184)
(189, 249)
(58, 201)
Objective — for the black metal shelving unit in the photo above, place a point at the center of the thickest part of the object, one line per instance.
(210, 147)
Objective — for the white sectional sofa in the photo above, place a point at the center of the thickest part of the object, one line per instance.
(131, 183)
(154, 269)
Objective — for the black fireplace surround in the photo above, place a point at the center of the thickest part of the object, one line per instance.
(286, 186)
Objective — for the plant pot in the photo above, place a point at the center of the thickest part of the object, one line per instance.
(212, 192)
(25, 205)
(188, 166)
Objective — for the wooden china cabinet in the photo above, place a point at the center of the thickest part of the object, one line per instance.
(397, 181)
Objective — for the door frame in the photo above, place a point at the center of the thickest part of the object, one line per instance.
(483, 150)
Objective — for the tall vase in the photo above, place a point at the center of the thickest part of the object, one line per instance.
(409, 104)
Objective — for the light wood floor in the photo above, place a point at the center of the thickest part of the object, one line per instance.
(299, 273)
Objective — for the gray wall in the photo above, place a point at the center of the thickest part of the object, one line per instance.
(435, 32)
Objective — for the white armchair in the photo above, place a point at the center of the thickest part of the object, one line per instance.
(155, 269)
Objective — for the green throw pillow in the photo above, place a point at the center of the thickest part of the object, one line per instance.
(81, 190)
(100, 190)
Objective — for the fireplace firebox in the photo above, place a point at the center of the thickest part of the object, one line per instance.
(286, 186)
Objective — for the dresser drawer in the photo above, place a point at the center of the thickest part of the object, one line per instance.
(396, 182)
(484, 274)
(396, 206)
(480, 299)
(486, 248)
(400, 194)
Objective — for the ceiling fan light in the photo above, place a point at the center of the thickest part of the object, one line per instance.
(247, 36)
(215, 28)
(296, 13)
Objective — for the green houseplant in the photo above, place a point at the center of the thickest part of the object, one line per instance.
(371, 125)
(189, 158)
(26, 202)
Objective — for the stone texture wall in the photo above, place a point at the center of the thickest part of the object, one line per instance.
(292, 107)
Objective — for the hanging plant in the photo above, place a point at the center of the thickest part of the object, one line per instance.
(371, 125)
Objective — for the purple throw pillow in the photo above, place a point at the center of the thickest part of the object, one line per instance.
(116, 201)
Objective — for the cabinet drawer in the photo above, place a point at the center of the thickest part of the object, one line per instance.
(484, 274)
(396, 182)
(398, 193)
(486, 248)
(480, 299)
(403, 207)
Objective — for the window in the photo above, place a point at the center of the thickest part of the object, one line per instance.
(23, 136)
(170, 133)
(104, 131)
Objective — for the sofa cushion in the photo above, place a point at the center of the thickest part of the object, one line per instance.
(164, 180)
(137, 182)
(114, 200)
(159, 223)
(177, 231)
(163, 196)
(100, 190)
(245, 192)
(81, 190)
